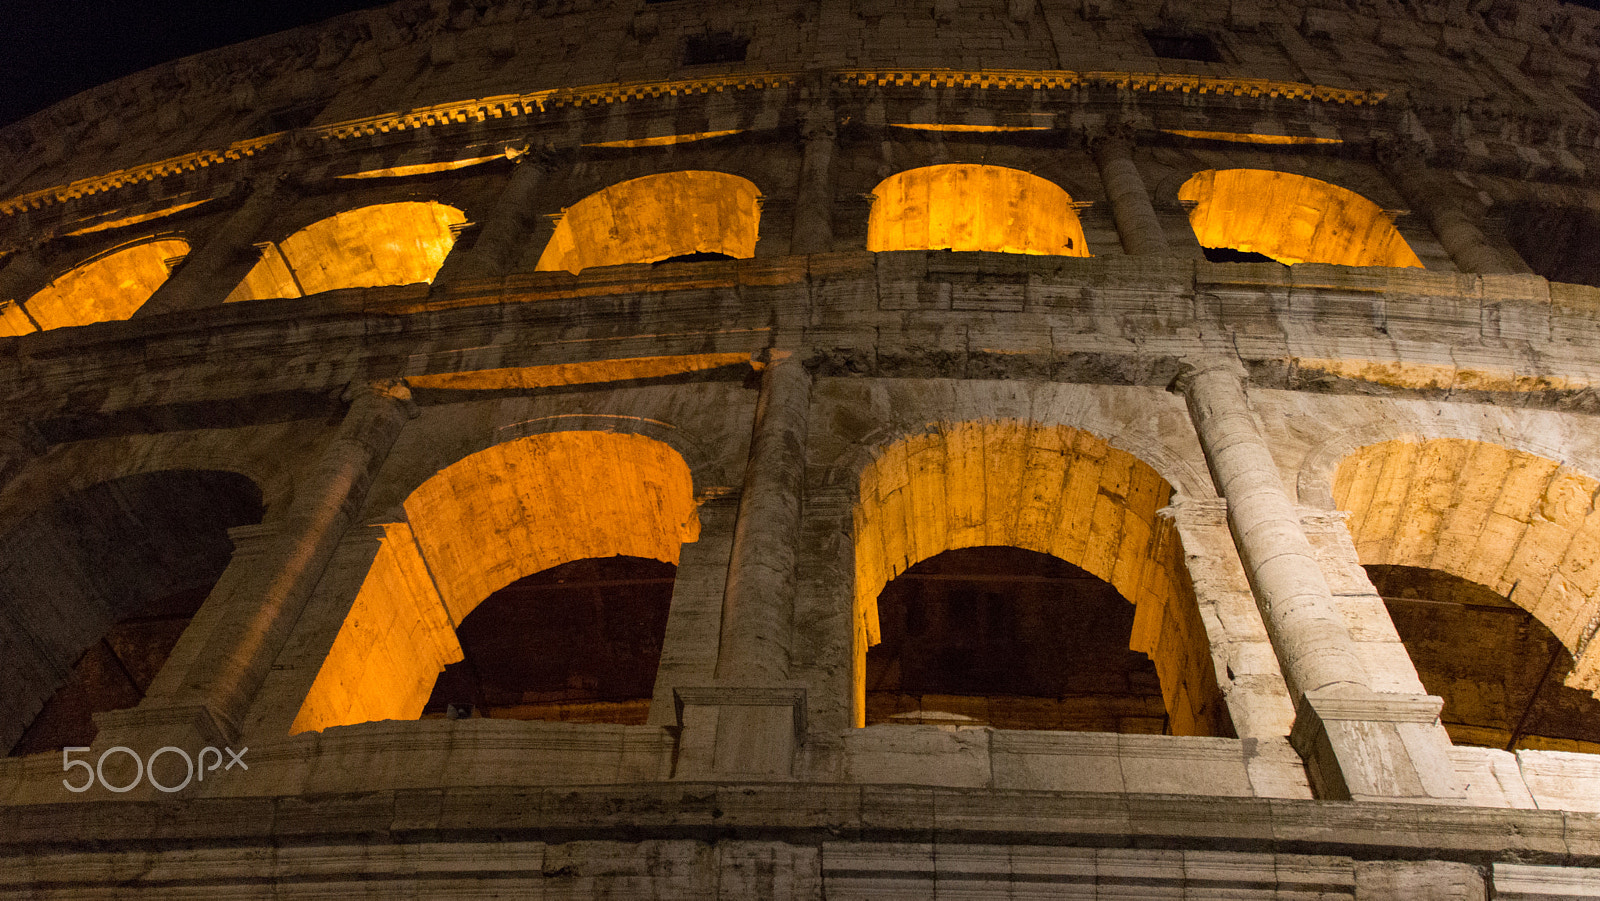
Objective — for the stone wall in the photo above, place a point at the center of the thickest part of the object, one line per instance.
(1228, 444)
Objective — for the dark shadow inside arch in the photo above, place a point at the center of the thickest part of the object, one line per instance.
(1010, 638)
(579, 642)
(96, 590)
(1499, 670)
(1557, 242)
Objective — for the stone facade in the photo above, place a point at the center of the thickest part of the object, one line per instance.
(338, 332)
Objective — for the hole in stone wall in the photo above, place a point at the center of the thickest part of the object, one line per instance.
(1010, 638)
(699, 256)
(1183, 45)
(579, 642)
(1230, 255)
(1499, 670)
(714, 47)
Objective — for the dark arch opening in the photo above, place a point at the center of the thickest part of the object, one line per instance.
(96, 590)
(579, 642)
(1010, 638)
(1556, 242)
(1499, 670)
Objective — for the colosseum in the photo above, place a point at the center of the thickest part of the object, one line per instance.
(811, 449)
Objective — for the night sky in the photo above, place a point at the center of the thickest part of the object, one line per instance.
(52, 49)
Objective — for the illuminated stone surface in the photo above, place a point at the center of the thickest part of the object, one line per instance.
(522, 291)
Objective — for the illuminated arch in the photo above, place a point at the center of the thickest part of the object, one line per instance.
(385, 244)
(971, 207)
(657, 217)
(1292, 219)
(1050, 489)
(108, 287)
(1522, 526)
(480, 524)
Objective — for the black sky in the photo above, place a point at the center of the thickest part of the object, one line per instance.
(52, 49)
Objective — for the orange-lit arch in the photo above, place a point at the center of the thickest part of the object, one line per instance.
(107, 288)
(648, 219)
(1523, 526)
(386, 244)
(1292, 218)
(1051, 489)
(972, 207)
(480, 524)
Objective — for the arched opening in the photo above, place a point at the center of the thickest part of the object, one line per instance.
(972, 207)
(96, 590)
(1010, 638)
(474, 532)
(385, 244)
(1556, 242)
(656, 218)
(1498, 669)
(106, 288)
(579, 642)
(1008, 488)
(1481, 552)
(1292, 219)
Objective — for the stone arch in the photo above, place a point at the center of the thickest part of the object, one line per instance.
(1168, 462)
(1292, 219)
(1521, 525)
(967, 206)
(1051, 489)
(397, 243)
(1314, 482)
(491, 518)
(136, 546)
(657, 217)
(108, 286)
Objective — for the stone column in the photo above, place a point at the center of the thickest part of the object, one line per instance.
(218, 688)
(501, 238)
(222, 260)
(1135, 215)
(1358, 744)
(759, 600)
(747, 724)
(813, 209)
(1432, 194)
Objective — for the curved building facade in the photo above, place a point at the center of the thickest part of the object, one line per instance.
(829, 449)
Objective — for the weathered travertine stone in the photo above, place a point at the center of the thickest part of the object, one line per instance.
(1137, 223)
(240, 652)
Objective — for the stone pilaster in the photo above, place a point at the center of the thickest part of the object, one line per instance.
(1432, 194)
(1137, 223)
(1358, 743)
(813, 209)
(748, 723)
(506, 229)
(221, 682)
(22, 275)
(222, 260)
(759, 600)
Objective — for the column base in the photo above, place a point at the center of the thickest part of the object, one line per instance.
(738, 734)
(1360, 745)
